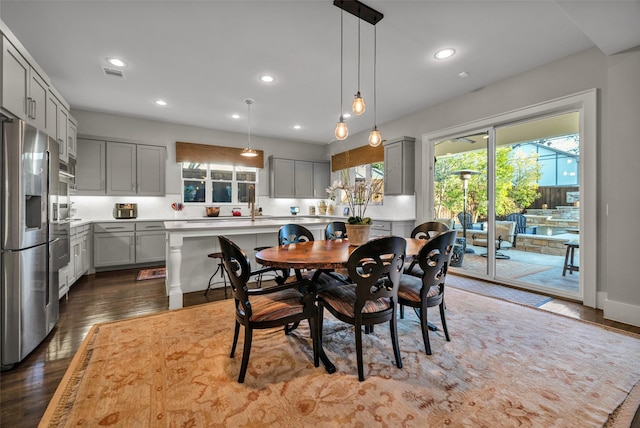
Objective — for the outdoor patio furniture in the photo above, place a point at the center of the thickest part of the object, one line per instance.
(569, 264)
(469, 220)
(505, 238)
(521, 224)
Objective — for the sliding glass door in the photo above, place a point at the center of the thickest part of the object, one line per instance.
(513, 192)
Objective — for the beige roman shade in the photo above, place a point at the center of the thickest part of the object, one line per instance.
(361, 156)
(204, 153)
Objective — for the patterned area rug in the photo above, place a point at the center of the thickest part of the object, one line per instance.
(510, 268)
(151, 274)
(506, 365)
(498, 291)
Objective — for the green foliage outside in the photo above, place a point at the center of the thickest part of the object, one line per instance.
(517, 176)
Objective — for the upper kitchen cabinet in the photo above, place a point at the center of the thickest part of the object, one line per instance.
(120, 169)
(24, 91)
(72, 139)
(290, 178)
(91, 167)
(399, 166)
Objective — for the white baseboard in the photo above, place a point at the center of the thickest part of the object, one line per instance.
(622, 312)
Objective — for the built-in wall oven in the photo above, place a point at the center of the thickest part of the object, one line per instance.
(66, 187)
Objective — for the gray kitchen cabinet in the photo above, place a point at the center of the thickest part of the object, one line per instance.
(119, 169)
(392, 227)
(399, 166)
(62, 133)
(113, 244)
(289, 178)
(131, 243)
(135, 169)
(72, 130)
(150, 242)
(24, 91)
(90, 169)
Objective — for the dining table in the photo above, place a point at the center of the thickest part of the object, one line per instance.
(322, 255)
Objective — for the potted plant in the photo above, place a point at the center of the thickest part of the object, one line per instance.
(357, 196)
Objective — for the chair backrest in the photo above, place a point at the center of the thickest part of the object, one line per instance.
(506, 230)
(335, 230)
(521, 222)
(293, 233)
(239, 269)
(428, 230)
(434, 259)
(375, 267)
(468, 217)
(450, 222)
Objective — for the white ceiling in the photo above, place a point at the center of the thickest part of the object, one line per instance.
(204, 57)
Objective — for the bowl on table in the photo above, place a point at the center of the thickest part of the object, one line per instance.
(212, 211)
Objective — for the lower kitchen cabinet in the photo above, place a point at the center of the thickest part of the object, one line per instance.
(79, 258)
(121, 244)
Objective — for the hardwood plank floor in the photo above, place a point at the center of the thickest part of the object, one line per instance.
(26, 390)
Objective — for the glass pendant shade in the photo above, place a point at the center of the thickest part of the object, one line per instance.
(374, 137)
(358, 105)
(250, 153)
(342, 132)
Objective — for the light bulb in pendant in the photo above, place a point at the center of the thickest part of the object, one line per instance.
(358, 105)
(374, 137)
(342, 132)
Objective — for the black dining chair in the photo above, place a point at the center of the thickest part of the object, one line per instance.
(335, 230)
(426, 231)
(267, 307)
(375, 268)
(428, 291)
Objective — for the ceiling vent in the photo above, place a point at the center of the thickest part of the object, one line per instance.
(113, 72)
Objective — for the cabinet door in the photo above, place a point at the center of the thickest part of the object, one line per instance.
(53, 105)
(399, 175)
(150, 247)
(121, 169)
(38, 99)
(85, 259)
(63, 281)
(15, 80)
(304, 179)
(90, 169)
(63, 119)
(74, 261)
(282, 177)
(150, 170)
(114, 249)
(321, 179)
(72, 130)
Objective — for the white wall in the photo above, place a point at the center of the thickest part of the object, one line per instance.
(616, 78)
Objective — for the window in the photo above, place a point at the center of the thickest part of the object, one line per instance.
(370, 173)
(217, 184)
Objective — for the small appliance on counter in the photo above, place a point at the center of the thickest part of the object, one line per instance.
(294, 210)
(236, 212)
(124, 211)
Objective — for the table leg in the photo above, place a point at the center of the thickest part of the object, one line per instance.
(431, 326)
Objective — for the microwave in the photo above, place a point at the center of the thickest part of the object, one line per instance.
(123, 211)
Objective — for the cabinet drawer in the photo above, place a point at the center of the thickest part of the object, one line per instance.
(150, 225)
(384, 226)
(113, 227)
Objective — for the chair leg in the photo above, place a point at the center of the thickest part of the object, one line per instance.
(211, 282)
(236, 332)
(359, 352)
(248, 335)
(313, 326)
(444, 321)
(425, 329)
(393, 325)
(401, 312)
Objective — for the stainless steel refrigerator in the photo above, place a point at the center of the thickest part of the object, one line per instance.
(29, 286)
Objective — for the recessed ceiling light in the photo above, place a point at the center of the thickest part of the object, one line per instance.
(444, 53)
(265, 78)
(297, 127)
(116, 62)
(235, 116)
(463, 74)
(161, 102)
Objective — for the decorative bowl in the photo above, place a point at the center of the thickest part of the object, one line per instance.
(212, 211)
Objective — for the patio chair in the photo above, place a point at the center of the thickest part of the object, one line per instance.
(521, 225)
(468, 219)
(505, 238)
(267, 307)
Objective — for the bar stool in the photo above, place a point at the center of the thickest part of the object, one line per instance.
(220, 269)
(569, 264)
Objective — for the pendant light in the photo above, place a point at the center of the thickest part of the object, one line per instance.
(375, 139)
(358, 105)
(342, 132)
(248, 151)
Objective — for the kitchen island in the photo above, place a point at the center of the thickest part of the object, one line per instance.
(189, 242)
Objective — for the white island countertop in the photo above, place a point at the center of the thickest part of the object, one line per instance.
(238, 225)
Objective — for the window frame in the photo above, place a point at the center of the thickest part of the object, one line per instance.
(208, 181)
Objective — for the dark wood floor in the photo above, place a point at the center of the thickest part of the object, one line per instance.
(26, 390)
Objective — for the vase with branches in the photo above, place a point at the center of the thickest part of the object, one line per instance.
(357, 196)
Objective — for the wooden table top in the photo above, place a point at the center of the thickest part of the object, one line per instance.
(319, 254)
